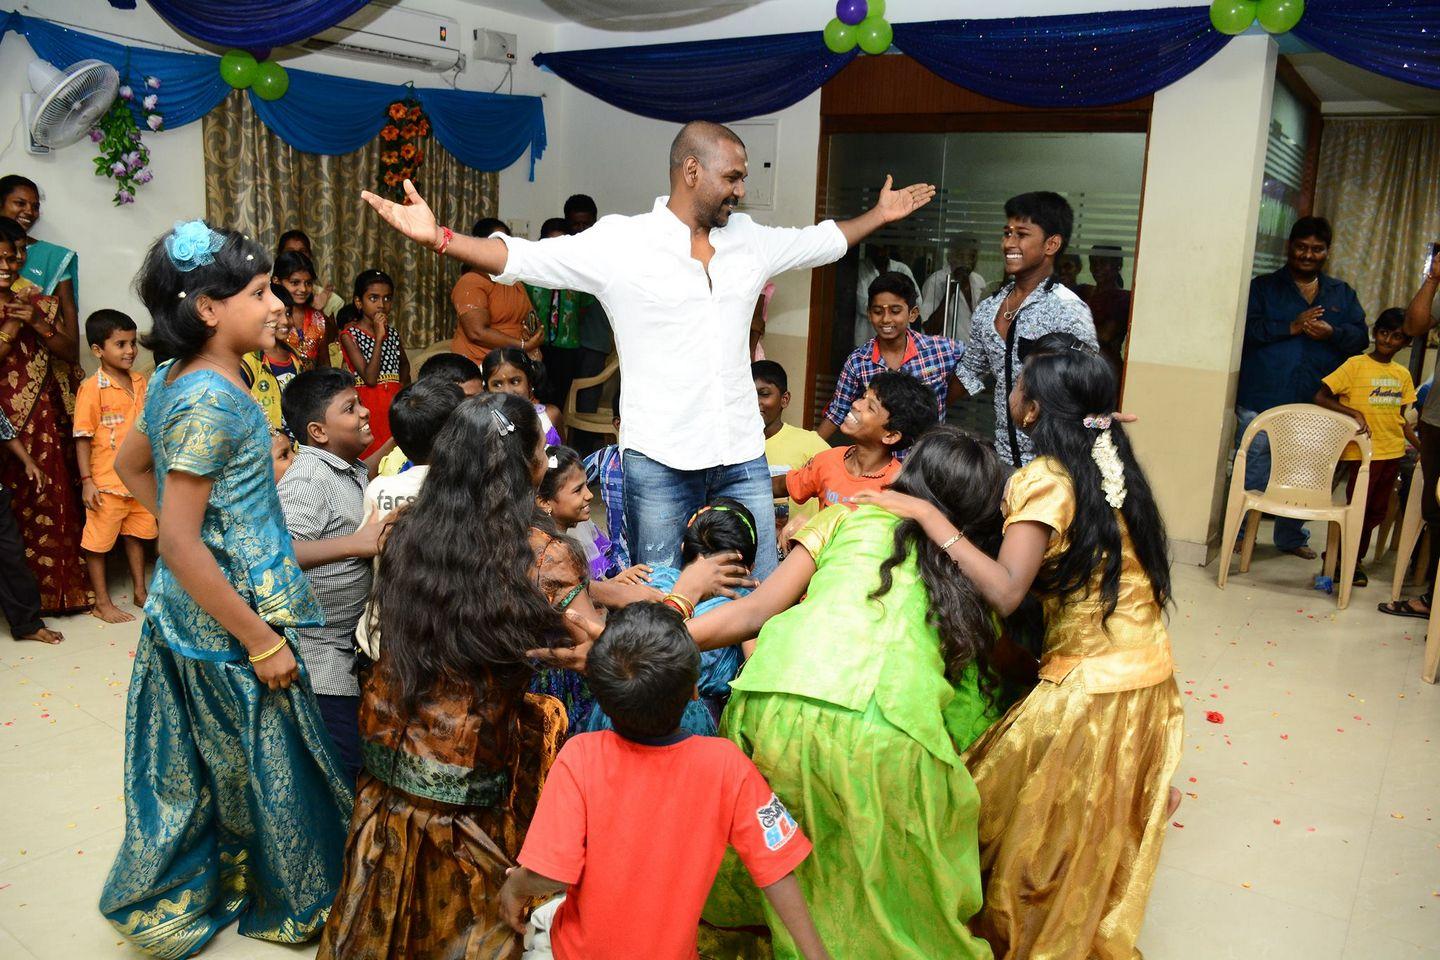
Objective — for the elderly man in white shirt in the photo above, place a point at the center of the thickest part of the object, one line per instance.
(679, 284)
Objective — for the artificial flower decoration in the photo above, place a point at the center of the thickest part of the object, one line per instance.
(404, 154)
(123, 157)
(193, 244)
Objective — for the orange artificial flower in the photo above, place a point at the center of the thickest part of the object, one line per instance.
(390, 132)
(419, 156)
(423, 128)
(413, 113)
(408, 131)
(389, 156)
(397, 111)
(391, 179)
(408, 151)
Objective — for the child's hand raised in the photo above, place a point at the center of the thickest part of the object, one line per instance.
(718, 575)
(584, 632)
(414, 218)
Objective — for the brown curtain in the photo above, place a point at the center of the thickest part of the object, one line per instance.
(1379, 184)
(256, 182)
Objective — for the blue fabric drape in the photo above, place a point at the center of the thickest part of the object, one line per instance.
(319, 113)
(1399, 39)
(716, 80)
(1075, 60)
(251, 24)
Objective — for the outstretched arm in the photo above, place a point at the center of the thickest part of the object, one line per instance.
(416, 220)
(1418, 319)
(893, 205)
(740, 620)
(788, 900)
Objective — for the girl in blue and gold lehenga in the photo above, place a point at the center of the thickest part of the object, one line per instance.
(235, 803)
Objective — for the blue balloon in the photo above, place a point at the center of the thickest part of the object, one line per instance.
(851, 12)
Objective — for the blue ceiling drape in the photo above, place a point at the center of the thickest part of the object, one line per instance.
(1073, 60)
(319, 113)
(716, 80)
(253, 24)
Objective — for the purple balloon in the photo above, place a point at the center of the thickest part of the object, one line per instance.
(261, 54)
(852, 11)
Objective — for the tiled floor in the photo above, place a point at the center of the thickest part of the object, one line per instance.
(1309, 832)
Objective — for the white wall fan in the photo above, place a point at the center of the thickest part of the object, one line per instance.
(66, 103)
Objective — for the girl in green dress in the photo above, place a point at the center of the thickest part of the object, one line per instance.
(869, 677)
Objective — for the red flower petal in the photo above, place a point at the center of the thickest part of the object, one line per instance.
(1215, 716)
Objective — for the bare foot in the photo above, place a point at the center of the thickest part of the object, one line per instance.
(1174, 803)
(139, 596)
(44, 635)
(110, 613)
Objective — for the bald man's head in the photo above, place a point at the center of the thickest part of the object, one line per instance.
(707, 173)
(701, 139)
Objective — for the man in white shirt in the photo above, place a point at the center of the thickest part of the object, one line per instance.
(679, 284)
(967, 288)
(875, 261)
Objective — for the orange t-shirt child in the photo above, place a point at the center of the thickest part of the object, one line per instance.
(104, 413)
(826, 476)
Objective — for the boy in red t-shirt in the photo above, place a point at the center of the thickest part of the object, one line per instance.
(894, 411)
(632, 823)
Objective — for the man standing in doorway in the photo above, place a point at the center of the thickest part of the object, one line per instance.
(967, 288)
(1301, 325)
(1031, 303)
(679, 284)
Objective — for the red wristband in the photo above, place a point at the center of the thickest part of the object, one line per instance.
(446, 235)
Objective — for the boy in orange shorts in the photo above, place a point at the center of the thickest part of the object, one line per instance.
(106, 406)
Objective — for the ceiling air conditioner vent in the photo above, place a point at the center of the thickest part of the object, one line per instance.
(390, 34)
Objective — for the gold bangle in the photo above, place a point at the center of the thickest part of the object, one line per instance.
(6, 337)
(945, 547)
(269, 653)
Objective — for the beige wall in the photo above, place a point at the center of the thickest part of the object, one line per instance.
(1197, 239)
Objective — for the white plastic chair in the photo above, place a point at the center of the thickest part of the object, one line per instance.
(1306, 442)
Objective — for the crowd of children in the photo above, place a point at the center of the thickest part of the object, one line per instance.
(402, 702)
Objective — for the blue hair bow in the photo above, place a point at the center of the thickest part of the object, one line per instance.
(193, 244)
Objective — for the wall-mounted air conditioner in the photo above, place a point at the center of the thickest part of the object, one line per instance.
(392, 34)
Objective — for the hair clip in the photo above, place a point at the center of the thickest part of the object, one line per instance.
(553, 463)
(502, 422)
(193, 244)
(181, 294)
(1097, 421)
(249, 256)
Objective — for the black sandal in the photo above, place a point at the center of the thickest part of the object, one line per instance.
(1402, 608)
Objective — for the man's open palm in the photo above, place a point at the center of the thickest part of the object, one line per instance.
(414, 218)
(899, 204)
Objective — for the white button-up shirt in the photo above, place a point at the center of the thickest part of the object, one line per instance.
(688, 400)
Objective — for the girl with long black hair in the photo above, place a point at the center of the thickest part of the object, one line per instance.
(869, 677)
(1074, 779)
(455, 750)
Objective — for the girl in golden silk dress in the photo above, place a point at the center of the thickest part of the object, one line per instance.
(1074, 779)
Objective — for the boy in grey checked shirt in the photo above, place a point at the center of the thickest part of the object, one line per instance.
(323, 496)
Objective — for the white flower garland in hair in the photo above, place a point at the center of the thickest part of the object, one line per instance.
(1112, 471)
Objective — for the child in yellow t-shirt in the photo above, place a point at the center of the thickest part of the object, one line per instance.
(1375, 390)
(787, 447)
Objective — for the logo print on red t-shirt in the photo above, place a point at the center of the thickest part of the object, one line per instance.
(776, 823)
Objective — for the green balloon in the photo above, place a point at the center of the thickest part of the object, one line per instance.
(238, 68)
(874, 8)
(875, 35)
(839, 36)
(271, 81)
(1232, 16)
(1280, 16)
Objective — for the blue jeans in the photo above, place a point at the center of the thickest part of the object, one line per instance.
(1290, 534)
(659, 499)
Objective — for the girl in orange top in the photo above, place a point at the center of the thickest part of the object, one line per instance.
(375, 352)
(491, 316)
(1074, 779)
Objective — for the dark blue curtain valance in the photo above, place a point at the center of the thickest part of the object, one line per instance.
(253, 24)
(319, 113)
(1399, 39)
(1073, 60)
(716, 80)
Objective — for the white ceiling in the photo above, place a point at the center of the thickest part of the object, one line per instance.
(635, 15)
(1343, 88)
